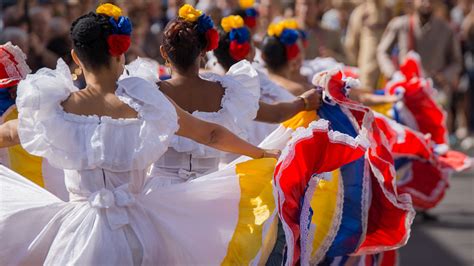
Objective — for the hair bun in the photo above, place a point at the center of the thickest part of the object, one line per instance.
(89, 28)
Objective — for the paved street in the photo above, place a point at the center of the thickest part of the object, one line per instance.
(450, 240)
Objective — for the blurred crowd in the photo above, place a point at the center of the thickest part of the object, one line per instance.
(369, 34)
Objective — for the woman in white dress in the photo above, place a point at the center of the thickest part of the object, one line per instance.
(105, 137)
(234, 45)
(231, 100)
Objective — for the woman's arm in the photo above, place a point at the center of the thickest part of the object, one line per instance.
(9, 134)
(218, 137)
(370, 99)
(282, 111)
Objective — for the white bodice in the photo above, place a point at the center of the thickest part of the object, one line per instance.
(187, 159)
(96, 152)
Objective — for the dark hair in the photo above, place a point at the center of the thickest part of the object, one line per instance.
(222, 52)
(89, 39)
(183, 43)
(239, 12)
(273, 53)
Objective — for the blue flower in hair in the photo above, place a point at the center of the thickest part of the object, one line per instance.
(289, 36)
(241, 35)
(123, 26)
(251, 12)
(204, 23)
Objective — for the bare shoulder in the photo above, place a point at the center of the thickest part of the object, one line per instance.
(76, 101)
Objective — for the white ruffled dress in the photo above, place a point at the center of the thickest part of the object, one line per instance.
(113, 217)
(186, 159)
(270, 93)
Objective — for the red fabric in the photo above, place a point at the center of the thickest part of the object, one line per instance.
(239, 51)
(454, 160)
(250, 22)
(393, 229)
(429, 116)
(314, 155)
(426, 186)
(212, 37)
(292, 51)
(5, 80)
(118, 44)
(412, 144)
(389, 258)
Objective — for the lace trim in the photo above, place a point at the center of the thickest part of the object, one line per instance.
(17, 70)
(319, 255)
(288, 154)
(305, 220)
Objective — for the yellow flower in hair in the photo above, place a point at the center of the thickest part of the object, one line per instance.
(232, 22)
(109, 10)
(275, 29)
(244, 4)
(290, 24)
(189, 13)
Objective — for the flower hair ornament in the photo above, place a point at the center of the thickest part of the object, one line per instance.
(239, 36)
(119, 41)
(287, 32)
(205, 25)
(251, 13)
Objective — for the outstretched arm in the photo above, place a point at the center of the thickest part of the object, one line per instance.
(282, 111)
(9, 134)
(218, 137)
(369, 99)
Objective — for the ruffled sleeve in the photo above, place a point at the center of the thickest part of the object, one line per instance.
(239, 108)
(143, 68)
(242, 91)
(38, 100)
(78, 142)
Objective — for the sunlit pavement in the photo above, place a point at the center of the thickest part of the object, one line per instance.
(449, 240)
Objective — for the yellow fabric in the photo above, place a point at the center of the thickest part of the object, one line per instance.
(244, 4)
(302, 119)
(232, 22)
(382, 109)
(109, 10)
(324, 204)
(189, 13)
(255, 208)
(21, 161)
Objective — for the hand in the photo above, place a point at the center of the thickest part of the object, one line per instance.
(271, 154)
(312, 99)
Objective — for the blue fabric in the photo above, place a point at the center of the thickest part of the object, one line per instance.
(350, 232)
(5, 101)
(123, 26)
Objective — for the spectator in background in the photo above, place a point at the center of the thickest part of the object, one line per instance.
(16, 36)
(366, 26)
(467, 32)
(419, 32)
(337, 18)
(322, 42)
(39, 56)
(436, 43)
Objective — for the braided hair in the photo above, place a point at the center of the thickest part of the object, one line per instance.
(89, 35)
(183, 43)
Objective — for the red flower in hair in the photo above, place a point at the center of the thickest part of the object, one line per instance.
(250, 22)
(239, 51)
(212, 37)
(292, 51)
(118, 44)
